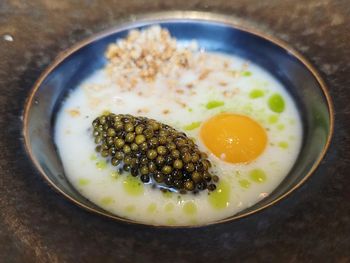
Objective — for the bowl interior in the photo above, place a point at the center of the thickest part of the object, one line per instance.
(73, 67)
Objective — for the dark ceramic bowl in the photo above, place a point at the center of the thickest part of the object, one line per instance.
(214, 33)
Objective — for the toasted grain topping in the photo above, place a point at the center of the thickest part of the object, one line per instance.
(74, 113)
(190, 85)
(234, 73)
(179, 91)
(182, 104)
(204, 74)
(143, 110)
(145, 54)
(227, 94)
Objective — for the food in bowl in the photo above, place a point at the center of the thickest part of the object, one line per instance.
(237, 114)
(156, 152)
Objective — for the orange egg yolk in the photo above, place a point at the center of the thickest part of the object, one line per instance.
(233, 138)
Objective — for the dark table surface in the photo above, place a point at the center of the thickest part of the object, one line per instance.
(38, 225)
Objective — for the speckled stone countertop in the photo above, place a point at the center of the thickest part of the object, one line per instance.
(38, 225)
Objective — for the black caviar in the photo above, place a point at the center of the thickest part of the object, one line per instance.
(153, 151)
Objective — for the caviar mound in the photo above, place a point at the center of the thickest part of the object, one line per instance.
(154, 152)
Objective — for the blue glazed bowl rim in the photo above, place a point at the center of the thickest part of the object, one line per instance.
(178, 16)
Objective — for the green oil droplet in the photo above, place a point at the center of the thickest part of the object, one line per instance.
(190, 208)
(214, 104)
(106, 112)
(101, 165)
(238, 174)
(273, 119)
(190, 110)
(83, 181)
(257, 175)
(244, 183)
(276, 103)
(193, 221)
(115, 175)
(192, 126)
(283, 145)
(93, 157)
(220, 198)
(130, 208)
(152, 208)
(107, 200)
(167, 194)
(248, 108)
(246, 73)
(133, 186)
(169, 207)
(256, 93)
(171, 221)
(280, 127)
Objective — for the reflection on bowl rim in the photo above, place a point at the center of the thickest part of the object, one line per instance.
(173, 16)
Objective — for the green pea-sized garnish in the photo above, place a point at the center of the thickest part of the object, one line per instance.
(276, 103)
(214, 104)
